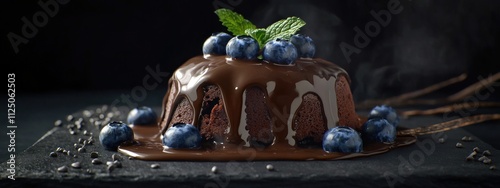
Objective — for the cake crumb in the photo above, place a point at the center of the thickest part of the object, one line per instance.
(270, 167)
(155, 166)
(62, 169)
(476, 149)
(441, 140)
(487, 161)
(486, 153)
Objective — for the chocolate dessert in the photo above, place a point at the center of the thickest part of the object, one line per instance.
(257, 103)
(262, 95)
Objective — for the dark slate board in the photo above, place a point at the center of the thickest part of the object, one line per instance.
(445, 166)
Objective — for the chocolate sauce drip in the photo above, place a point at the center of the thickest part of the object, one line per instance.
(285, 85)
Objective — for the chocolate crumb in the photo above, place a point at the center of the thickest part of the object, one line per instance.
(467, 139)
(214, 169)
(59, 149)
(72, 132)
(486, 152)
(117, 164)
(482, 158)
(270, 167)
(80, 140)
(58, 123)
(94, 154)
(96, 161)
(459, 145)
(70, 118)
(76, 146)
(493, 167)
(90, 141)
(476, 149)
(155, 166)
(110, 168)
(76, 165)
(89, 171)
(81, 150)
(75, 156)
(87, 113)
(470, 158)
(53, 154)
(62, 169)
(441, 140)
(487, 161)
(86, 133)
(116, 157)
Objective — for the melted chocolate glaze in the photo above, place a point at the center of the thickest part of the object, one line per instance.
(284, 85)
(150, 147)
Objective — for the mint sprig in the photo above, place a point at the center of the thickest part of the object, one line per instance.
(238, 25)
(234, 22)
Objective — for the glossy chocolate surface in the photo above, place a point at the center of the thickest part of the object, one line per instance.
(284, 85)
(149, 147)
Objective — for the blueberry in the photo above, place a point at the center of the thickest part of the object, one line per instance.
(378, 130)
(216, 44)
(242, 47)
(304, 44)
(342, 139)
(385, 112)
(142, 116)
(280, 51)
(182, 135)
(114, 134)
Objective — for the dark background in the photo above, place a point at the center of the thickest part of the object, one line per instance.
(106, 45)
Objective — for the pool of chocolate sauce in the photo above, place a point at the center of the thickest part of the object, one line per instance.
(148, 146)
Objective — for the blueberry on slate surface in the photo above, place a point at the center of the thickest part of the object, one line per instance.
(242, 47)
(114, 134)
(378, 130)
(280, 51)
(182, 136)
(385, 112)
(304, 44)
(216, 44)
(342, 139)
(142, 116)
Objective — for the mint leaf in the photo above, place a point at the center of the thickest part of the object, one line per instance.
(238, 25)
(284, 28)
(234, 22)
(258, 34)
(281, 29)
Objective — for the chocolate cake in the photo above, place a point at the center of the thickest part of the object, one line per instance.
(255, 103)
